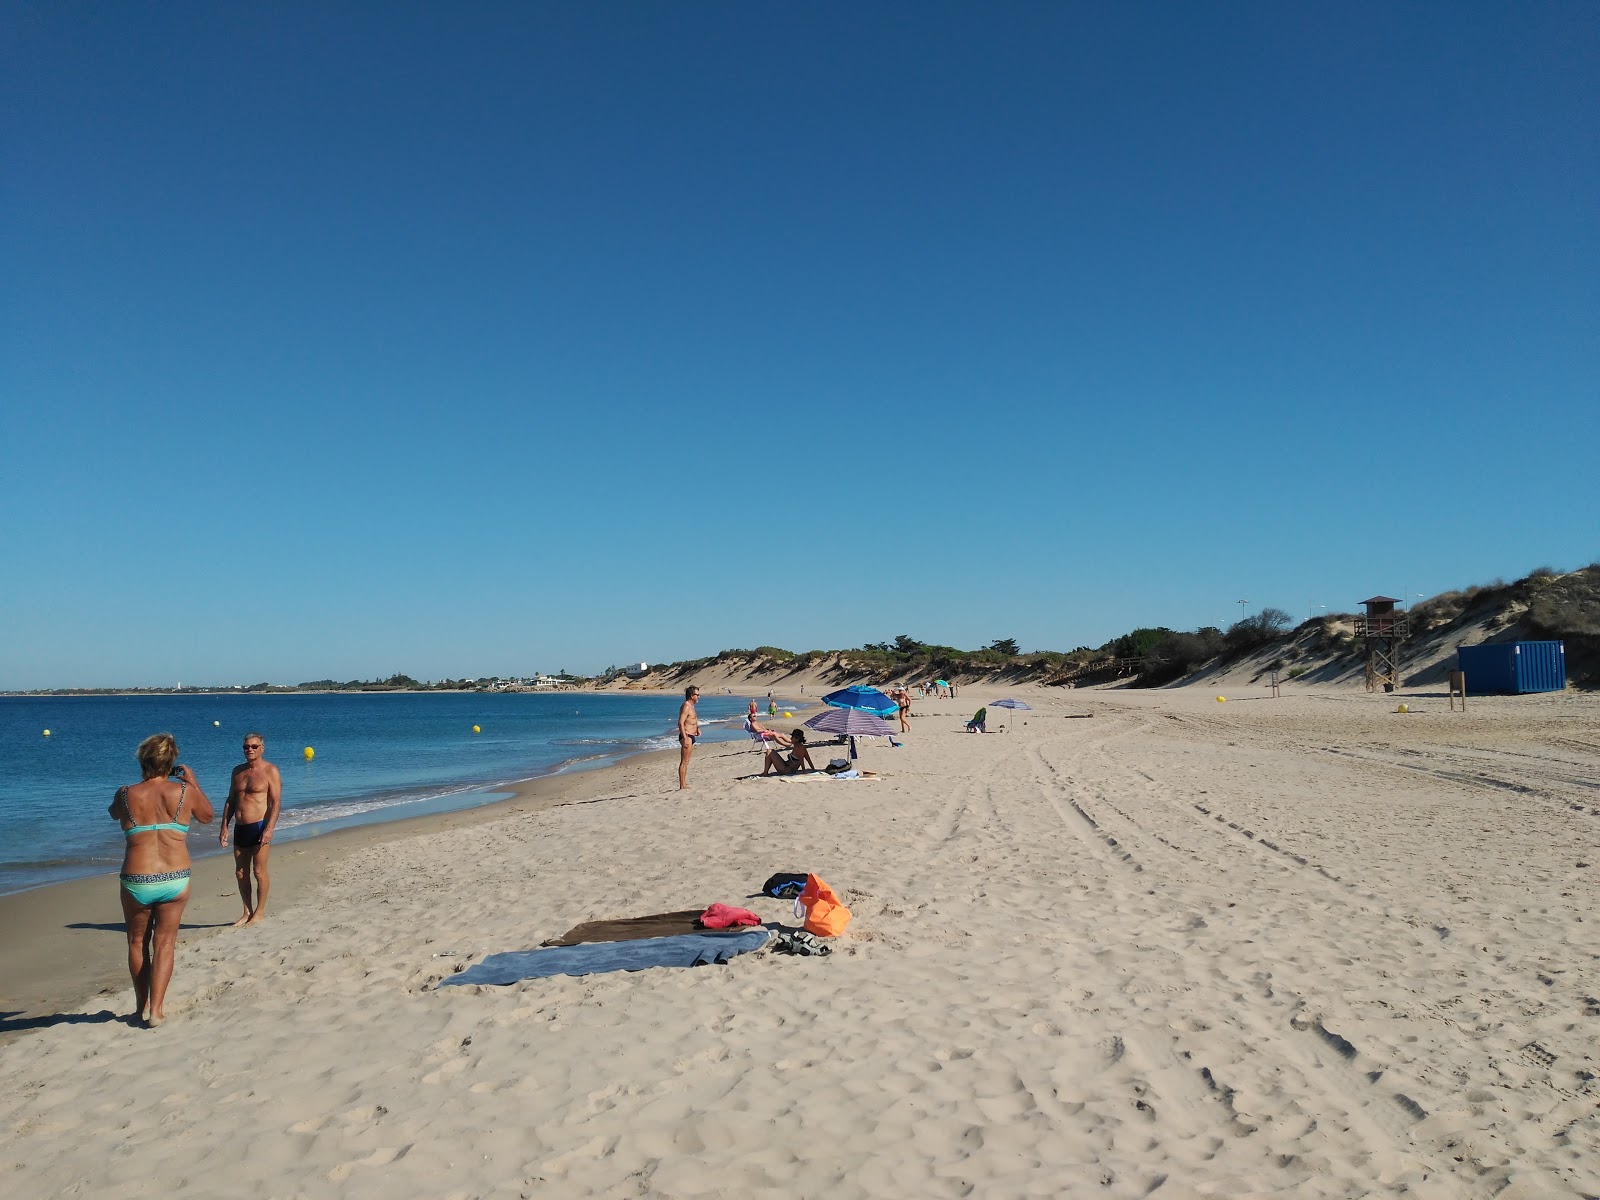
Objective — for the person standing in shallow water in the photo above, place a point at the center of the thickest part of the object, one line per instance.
(254, 799)
(155, 815)
(688, 732)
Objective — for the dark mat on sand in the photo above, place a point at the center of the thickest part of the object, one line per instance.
(630, 929)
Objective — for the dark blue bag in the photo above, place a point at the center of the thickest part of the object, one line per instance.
(785, 885)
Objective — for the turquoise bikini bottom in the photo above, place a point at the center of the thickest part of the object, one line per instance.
(156, 889)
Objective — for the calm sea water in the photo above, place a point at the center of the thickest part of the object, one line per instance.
(378, 757)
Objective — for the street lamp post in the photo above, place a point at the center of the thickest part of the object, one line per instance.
(1243, 605)
(1316, 608)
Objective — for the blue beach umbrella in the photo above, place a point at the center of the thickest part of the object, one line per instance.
(851, 723)
(867, 699)
(1012, 704)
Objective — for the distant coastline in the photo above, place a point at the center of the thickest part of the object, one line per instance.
(1324, 648)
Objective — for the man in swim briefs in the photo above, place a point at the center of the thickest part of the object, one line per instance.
(688, 733)
(254, 798)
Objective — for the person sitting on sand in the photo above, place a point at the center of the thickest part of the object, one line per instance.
(979, 722)
(155, 815)
(799, 758)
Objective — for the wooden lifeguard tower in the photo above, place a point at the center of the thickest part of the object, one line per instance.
(1383, 629)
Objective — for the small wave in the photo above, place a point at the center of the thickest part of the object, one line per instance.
(338, 810)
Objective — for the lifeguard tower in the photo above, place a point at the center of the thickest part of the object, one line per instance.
(1383, 629)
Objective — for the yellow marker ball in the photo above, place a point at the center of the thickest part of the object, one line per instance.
(1405, 708)
(47, 733)
(309, 753)
(218, 724)
(475, 729)
(1222, 699)
(787, 715)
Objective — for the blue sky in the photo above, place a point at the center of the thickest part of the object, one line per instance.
(480, 339)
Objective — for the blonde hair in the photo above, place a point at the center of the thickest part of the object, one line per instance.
(157, 755)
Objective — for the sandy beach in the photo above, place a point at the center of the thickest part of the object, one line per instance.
(1138, 944)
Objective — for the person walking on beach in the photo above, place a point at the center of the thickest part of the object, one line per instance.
(255, 797)
(688, 732)
(903, 698)
(155, 815)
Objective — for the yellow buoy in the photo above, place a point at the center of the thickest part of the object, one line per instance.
(1222, 699)
(309, 753)
(475, 729)
(787, 715)
(47, 733)
(218, 724)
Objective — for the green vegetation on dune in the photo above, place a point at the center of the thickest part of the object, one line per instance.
(1546, 604)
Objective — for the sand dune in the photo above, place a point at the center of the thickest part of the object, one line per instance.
(1301, 947)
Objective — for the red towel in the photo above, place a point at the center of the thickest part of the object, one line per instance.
(725, 916)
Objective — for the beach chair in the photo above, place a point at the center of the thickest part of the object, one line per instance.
(760, 742)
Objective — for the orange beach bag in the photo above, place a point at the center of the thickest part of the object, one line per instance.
(826, 915)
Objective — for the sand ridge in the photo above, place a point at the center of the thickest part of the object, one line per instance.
(1305, 946)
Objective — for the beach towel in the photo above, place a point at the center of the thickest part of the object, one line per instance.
(629, 929)
(824, 777)
(598, 958)
(725, 916)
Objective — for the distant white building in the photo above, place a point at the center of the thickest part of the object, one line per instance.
(546, 681)
(634, 670)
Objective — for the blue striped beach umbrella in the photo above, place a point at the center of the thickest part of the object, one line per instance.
(1012, 704)
(851, 723)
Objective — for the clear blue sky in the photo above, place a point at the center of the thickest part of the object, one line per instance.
(478, 339)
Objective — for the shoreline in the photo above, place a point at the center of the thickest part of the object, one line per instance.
(367, 796)
(66, 938)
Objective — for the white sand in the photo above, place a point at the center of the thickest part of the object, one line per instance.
(1304, 947)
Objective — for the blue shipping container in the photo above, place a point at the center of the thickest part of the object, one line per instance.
(1514, 667)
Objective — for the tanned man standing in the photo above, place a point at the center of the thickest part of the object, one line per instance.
(254, 798)
(688, 732)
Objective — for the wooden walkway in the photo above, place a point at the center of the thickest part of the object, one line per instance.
(1105, 668)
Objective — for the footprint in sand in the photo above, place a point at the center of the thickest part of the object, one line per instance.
(381, 1157)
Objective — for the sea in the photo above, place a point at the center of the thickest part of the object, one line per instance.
(375, 757)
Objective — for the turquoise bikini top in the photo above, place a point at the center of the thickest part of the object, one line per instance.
(175, 826)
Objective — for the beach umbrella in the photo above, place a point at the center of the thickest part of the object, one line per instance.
(866, 699)
(1012, 704)
(851, 723)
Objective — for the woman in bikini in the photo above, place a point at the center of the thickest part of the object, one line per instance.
(799, 758)
(155, 815)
